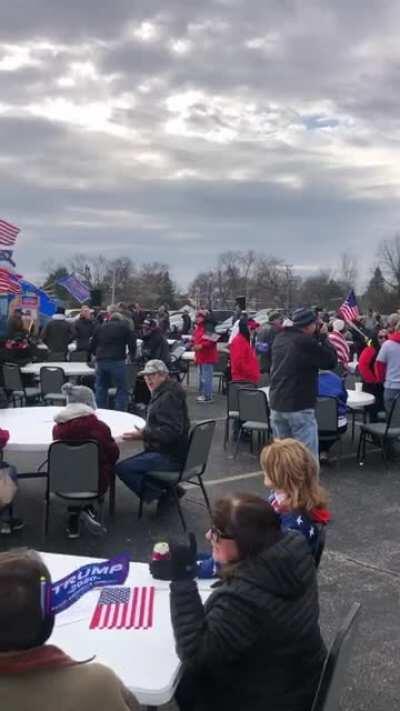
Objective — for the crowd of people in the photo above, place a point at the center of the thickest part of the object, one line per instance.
(256, 642)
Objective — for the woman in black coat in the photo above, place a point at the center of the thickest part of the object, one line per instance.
(256, 644)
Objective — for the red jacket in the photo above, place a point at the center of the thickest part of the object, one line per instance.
(78, 422)
(208, 353)
(4, 437)
(366, 364)
(244, 362)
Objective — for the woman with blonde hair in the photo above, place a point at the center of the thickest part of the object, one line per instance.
(291, 471)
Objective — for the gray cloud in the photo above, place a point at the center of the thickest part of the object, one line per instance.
(188, 128)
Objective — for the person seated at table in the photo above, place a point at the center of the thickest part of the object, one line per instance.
(291, 471)
(330, 384)
(39, 676)
(244, 361)
(8, 490)
(155, 344)
(78, 422)
(366, 368)
(165, 435)
(256, 642)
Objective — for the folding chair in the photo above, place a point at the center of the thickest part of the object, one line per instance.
(52, 379)
(193, 469)
(78, 356)
(380, 434)
(56, 357)
(326, 414)
(220, 370)
(72, 475)
(232, 403)
(14, 387)
(331, 683)
(254, 415)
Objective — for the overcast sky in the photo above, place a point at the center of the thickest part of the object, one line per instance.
(172, 130)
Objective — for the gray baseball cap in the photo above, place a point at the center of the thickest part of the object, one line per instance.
(154, 366)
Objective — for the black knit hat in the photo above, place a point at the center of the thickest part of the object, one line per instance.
(303, 317)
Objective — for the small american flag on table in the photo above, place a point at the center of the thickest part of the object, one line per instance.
(124, 608)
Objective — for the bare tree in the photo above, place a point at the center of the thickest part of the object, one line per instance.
(347, 271)
(389, 262)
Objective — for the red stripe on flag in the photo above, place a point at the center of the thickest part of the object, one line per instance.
(8, 226)
(133, 608)
(142, 608)
(106, 617)
(96, 617)
(150, 609)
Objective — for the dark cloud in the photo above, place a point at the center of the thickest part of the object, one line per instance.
(187, 128)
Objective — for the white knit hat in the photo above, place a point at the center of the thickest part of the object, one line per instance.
(79, 393)
(338, 325)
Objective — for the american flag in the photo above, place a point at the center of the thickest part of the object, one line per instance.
(349, 309)
(8, 233)
(124, 608)
(9, 282)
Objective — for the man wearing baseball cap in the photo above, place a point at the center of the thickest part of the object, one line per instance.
(298, 352)
(165, 435)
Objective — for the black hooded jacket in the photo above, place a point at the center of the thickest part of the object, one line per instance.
(167, 423)
(256, 643)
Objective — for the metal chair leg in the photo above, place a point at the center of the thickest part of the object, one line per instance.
(237, 443)
(179, 507)
(205, 495)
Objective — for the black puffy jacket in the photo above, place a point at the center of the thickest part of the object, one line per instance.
(110, 340)
(84, 329)
(256, 643)
(167, 423)
(155, 346)
(296, 359)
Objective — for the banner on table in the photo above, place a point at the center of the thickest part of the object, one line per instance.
(68, 590)
(76, 288)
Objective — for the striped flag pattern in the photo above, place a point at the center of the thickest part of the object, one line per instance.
(124, 608)
(9, 282)
(8, 233)
(349, 309)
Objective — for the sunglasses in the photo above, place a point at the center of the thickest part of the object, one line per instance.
(216, 535)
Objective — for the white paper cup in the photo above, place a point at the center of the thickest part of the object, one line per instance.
(358, 387)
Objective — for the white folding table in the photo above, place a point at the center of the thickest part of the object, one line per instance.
(356, 400)
(144, 659)
(71, 370)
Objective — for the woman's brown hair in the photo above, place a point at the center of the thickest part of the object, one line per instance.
(292, 469)
(249, 520)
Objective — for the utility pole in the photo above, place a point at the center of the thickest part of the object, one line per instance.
(114, 276)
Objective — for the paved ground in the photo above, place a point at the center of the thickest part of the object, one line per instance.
(361, 561)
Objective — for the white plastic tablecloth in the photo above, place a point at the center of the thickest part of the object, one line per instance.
(71, 370)
(31, 427)
(355, 399)
(145, 660)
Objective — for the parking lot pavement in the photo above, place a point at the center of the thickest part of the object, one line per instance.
(361, 561)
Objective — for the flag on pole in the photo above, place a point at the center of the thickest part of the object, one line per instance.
(9, 282)
(349, 309)
(6, 256)
(124, 608)
(79, 291)
(8, 233)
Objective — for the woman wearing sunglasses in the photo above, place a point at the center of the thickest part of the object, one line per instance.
(256, 643)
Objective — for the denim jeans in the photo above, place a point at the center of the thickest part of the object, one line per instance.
(389, 396)
(300, 425)
(111, 373)
(206, 380)
(132, 472)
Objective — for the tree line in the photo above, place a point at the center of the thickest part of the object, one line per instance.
(265, 281)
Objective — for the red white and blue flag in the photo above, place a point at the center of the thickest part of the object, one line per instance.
(349, 309)
(8, 233)
(9, 282)
(124, 608)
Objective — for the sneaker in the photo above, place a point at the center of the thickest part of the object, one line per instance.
(73, 529)
(10, 526)
(201, 398)
(93, 525)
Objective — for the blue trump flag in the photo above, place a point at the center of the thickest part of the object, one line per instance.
(58, 596)
(76, 288)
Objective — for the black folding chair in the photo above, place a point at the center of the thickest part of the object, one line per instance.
(380, 434)
(220, 370)
(78, 356)
(254, 416)
(52, 378)
(16, 391)
(192, 471)
(232, 404)
(337, 663)
(326, 414)
(72, 474)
